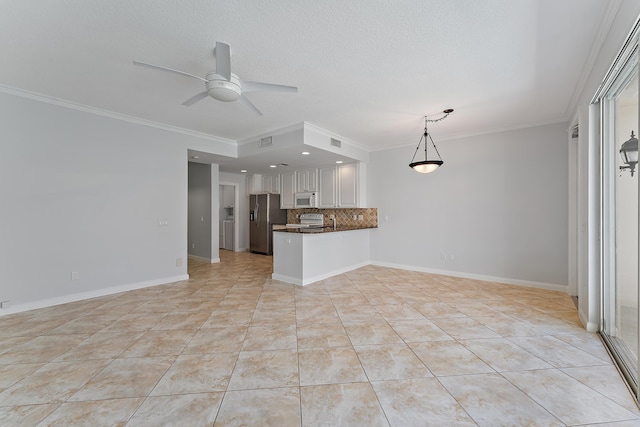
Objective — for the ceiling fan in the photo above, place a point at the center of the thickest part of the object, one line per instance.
(222, 84)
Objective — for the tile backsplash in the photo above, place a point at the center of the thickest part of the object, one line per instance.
(344, 217)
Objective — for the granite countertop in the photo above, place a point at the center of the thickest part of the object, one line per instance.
(326, 229)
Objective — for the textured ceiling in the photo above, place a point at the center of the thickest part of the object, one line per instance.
(368, 70)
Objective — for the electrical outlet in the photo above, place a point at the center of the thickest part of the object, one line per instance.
(193, 246)
(443, 256)
(452, 256)
(360, 217)
(355, 217)
(332, 216)
(75, 275)
(178, 262)
(5, 304)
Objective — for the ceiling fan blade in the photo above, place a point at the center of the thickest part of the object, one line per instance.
(249, 86)
(195, 98)
(245, 101)
(223, 60)
(158, 67)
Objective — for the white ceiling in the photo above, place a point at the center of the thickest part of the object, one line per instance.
(368, 70)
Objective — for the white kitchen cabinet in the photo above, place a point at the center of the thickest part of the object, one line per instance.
(348, 185)
(254, 184)
(287, 190)
(307, 180)
(271, 183)
(339, 186)
(327, 187)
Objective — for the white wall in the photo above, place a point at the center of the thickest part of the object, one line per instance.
(498, 207)
(241, 211)
(82, 192)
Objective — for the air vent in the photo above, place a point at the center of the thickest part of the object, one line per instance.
(265, 142)
(336, 142)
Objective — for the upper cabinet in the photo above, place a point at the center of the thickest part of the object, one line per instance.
(340, 186)
(348, 185)
(287, 190)
(327, 187)
(337, 186)
(307, 180)
(258, 183)
(271, 183)
(254, 184)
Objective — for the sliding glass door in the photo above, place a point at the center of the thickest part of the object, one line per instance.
(619, 128)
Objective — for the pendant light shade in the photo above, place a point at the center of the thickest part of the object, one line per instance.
(426, 165)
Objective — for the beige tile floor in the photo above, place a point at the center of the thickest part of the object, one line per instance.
(372, 347)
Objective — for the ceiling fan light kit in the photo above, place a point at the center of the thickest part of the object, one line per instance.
(221, 89)
(222, 84)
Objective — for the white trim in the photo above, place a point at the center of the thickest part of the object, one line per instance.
(91, 294)
(605, 27)
(113, 115)
(274, 132)
(473, 134)
(286, 279)
(201, 258)
(507, 281)
(626, 51)
(589, 326)
(318, 278)
(335, 135)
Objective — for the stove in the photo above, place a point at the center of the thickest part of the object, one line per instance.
(309, 220)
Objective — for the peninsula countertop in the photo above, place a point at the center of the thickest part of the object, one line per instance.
(316, 230)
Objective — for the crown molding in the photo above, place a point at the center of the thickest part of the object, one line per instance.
(336, 136)
(472, 134)
(112, 115)
(604, 29)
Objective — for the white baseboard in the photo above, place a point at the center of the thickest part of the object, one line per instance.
(200, 258)
(505, 280)
(318, 278)
(588, 325)
(48, 302)
(286, 279)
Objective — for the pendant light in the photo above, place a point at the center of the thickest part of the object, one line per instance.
(629, 154)
(427, 166)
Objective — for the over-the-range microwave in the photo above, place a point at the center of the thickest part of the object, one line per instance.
(305, 200)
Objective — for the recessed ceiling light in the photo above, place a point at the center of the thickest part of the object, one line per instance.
(195, 157)
(243, 170)
(273, 166)
(305, 153)
(339, 161)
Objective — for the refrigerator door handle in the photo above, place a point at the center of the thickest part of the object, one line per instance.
(256, 211)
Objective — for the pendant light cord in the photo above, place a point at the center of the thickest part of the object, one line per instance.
(426, 135)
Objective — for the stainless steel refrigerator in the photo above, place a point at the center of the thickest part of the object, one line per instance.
(264, 212)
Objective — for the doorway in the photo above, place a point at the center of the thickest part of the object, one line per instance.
(229, 209)
(620, 111)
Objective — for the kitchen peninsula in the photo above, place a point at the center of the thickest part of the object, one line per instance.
(306, 255)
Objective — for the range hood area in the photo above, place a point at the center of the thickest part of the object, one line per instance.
(283, 149)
